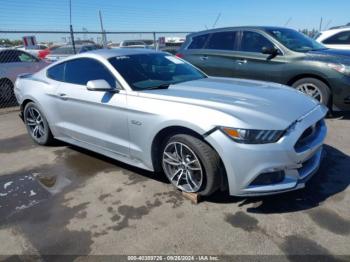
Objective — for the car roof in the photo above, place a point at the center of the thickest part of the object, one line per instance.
(332, 31)
(108, 53)
(338, 29)
(77, 45)
(12, 49)
(262, 28)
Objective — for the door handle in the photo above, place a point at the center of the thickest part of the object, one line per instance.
(242, 61)
(63, 96)
(203, 58)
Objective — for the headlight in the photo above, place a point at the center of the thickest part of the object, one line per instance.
(252, 136)
(343, 69)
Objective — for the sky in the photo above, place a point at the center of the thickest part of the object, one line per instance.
(169, 15)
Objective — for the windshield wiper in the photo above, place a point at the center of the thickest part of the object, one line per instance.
(162, 86)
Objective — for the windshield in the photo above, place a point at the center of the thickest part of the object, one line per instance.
(144, 71)
(295, 41)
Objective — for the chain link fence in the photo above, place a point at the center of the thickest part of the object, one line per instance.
(48, 46)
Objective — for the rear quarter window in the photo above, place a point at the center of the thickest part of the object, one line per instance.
(198, 42)
(342, 38)
(222, 41)
(56, 72)
(9, 56)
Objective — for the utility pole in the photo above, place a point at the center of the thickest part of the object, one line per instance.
(288, 21)
(104, 39)
(155, 41)
(71, 27)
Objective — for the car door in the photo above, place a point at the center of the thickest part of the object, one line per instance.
(19, 62)
(193, 50)
(16, 62)
(252, 63)
(95, 118)
(219, 54)
(31, 64)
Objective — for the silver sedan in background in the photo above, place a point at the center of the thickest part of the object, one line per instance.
(65, 51)
(157, 112)
(13, 63)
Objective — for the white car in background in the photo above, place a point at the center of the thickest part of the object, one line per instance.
(337, 38)
(13, 63)
(67, 50)
(133, 44)
(34, 50)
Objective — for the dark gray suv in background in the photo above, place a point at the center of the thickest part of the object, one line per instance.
(274, 54)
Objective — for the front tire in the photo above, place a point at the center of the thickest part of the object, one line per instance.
(314, 88)
(37, 125)
(191, 165)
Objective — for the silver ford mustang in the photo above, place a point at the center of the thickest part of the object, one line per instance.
(157, 112)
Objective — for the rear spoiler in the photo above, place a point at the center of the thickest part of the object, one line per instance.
(31, 77)
(25, 75)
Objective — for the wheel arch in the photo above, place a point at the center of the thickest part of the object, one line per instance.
(301, 76)
(31, 99)
(163, 134)
(320, 78)
(24, 103)
(6, 79)
(166, 132)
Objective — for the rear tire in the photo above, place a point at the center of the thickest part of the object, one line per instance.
(7, 95)
(37, 125)
(191, 165)
(314, 88)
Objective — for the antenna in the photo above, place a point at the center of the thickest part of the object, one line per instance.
(104, 39)
(217, 19)
(288, 21)
(328, 24)
(320, 29)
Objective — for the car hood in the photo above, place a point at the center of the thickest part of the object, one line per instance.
(331, 55)
(255, 104)
(334, 52)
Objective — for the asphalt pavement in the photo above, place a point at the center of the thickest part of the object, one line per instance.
(66, 200)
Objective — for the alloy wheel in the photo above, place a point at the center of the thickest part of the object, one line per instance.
(310, 90)
(35, 123)
(182, 166)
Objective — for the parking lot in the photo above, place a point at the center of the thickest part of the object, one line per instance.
(65, 200)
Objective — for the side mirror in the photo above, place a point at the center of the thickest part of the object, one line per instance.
(269, 51)
(100, 85)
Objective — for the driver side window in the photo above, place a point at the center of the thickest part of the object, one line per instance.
(24, 57)
(254, 42)
(15, 56)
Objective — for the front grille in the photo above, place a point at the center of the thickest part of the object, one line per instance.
(309, 166)
(305, 166)
(268, 178)
(308, 136)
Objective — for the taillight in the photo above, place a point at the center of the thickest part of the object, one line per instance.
(40, 54)
(179, 55)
